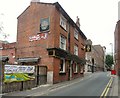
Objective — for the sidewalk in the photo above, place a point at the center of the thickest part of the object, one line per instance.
(114, 87)
(42, 89)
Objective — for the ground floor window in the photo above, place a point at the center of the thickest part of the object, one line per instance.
(75, 67)
(62, 65)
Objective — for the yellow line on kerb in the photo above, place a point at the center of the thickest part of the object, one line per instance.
(105, 92)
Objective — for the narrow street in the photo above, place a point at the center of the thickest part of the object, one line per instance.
(93, 85)
(59, 48)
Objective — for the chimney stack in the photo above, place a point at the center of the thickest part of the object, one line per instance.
(35, 0)
(78, 22)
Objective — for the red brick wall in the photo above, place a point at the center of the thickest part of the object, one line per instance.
(58, 30)
(58, 77)
(29, 24)
(9, 50)
(117, 46)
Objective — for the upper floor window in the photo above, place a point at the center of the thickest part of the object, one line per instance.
(76, 34)
(63, 22)
(62, 42)
(76, 50)
(1, 48)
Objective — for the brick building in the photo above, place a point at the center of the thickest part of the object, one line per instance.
(7, 51)
(47, 36)
(99, 57)
(117, 47)
(95, 58)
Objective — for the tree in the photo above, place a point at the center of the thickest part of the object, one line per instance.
(109, 60)
(4, 35)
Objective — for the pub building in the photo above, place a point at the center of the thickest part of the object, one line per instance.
(48, 37)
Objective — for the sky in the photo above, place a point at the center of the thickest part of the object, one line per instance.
(97, 18)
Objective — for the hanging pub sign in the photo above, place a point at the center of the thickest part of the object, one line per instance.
(44, 24)
(88, 48)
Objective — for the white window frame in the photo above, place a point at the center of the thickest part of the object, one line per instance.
(63, 22)
(76, 34)
(62, 42)
(76, 50)
(76, 68)
(63, 70)
(1, 48)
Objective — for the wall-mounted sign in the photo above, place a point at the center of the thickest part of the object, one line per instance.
(38, 37)
(44, 24)
(88, 48)
(19, 69)
(17, 77)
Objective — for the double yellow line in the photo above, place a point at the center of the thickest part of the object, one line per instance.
(107, 88)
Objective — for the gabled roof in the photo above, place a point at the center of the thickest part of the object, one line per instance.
(58, 6)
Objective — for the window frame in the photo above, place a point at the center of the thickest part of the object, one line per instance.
(75, 68)
(63, 68)
(76, 50)
(1, 48)
(63, 22)
(76, 35)
(62, 44)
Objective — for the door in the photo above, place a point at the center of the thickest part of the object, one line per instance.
(41, 75)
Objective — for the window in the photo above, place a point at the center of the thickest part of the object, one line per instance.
(76, 34)
(63, 22)
(62, 42)
(76, 50)
(75, 68)
(1, 48)
(62, 65)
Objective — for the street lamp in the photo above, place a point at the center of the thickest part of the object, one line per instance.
(112, 53)
(111, 48)
(104, 50)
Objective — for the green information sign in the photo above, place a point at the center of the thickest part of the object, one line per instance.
(17, 77)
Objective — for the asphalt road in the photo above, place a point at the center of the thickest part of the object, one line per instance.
(93, 85)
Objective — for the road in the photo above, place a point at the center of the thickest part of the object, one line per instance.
(93, 85)
(90, 85)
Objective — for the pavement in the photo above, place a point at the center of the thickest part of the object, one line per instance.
(115, 86)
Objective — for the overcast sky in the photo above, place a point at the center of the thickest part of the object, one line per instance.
(97, 17)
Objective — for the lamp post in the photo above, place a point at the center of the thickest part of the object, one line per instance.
(104, 50)
(112, 53)
(111, 48)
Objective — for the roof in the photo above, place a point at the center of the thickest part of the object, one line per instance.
(32, 59)
(4, 42)
(60, 53)
(58, 6)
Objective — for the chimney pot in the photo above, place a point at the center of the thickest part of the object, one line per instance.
(35, 0)
(78, 22)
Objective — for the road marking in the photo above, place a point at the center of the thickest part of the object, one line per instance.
(108, 75)
(107, 88)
